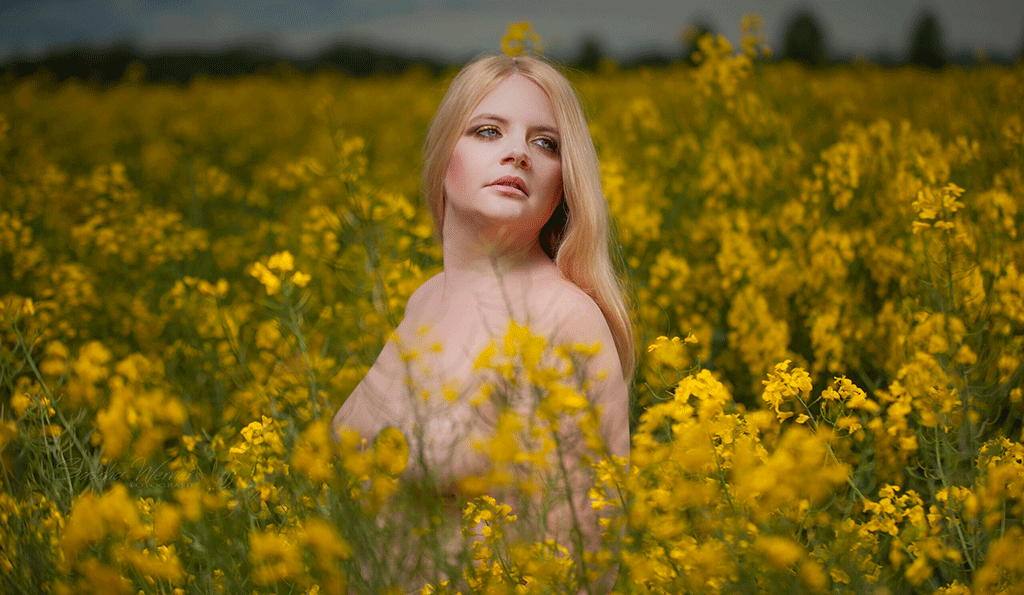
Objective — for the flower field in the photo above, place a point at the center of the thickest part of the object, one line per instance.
(828, 299)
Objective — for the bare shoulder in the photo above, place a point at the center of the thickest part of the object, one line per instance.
(424, 294)
(572, 316)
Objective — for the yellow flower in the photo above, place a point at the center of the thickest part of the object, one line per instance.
(671, 352)
(300, 279)
(56, 359)
(253, 433)
(100, 578)
(503, 446)
(166, 523)
(92, 518)
(8, 431)
(781, 552)
(484, 359)
(269, 280)
(519, 341)
(167, 567)
(85, 526)
(812, 575)
(210, 290)
(282, 261)
(784, 387)
(328, 547)
(276, 557)
(918, 571)
(91, 364)
(519, 37)
(112, 429)
(391, 451)
(191, 500)
(20, 402)
(564, 399)
(313, 454)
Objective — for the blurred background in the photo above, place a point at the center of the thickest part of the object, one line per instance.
(176, 39)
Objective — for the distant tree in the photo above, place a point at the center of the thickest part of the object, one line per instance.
(647, 59)
(106, 65)
(691, 34)
(1020, 54)
(926, 43)
(804, 40)
(591, 53)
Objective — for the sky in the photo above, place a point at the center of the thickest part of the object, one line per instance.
(461, 28)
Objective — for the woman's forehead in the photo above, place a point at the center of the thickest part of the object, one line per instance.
(517, 97)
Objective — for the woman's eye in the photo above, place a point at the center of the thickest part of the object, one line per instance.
(547, 144)
(488, 132)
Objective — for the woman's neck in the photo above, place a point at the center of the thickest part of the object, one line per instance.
(474, 263)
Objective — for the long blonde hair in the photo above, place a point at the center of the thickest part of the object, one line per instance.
(577, 236)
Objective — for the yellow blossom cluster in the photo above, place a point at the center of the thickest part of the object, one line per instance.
(519, 38)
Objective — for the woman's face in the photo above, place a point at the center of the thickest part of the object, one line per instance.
(506, 167)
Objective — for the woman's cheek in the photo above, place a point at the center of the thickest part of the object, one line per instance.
(455, 177)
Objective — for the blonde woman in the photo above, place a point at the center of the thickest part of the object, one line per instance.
(512, 181)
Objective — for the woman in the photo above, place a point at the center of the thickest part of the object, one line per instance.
(513, 184)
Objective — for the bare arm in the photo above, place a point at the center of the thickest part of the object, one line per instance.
(363, 410)
(607, 393)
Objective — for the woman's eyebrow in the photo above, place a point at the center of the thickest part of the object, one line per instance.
(490, 117)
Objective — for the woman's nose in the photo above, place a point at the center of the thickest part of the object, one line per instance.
(517, 156)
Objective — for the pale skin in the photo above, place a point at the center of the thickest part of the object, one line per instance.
(503, 182)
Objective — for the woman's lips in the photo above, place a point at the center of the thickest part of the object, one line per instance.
(510, 185)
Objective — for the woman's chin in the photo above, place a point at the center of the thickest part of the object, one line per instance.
(504, 215)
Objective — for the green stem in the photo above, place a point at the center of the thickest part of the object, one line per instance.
(295, 327)
(94, 472)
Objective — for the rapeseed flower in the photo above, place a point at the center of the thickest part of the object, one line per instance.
(519, 38)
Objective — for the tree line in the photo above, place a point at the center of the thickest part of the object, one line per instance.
(803, 40)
